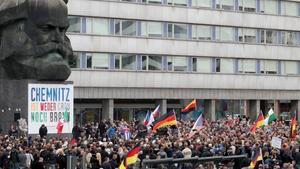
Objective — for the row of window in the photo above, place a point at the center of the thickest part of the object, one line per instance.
(183, 64)
(275, 7)
(103, 26)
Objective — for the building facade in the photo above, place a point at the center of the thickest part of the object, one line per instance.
(236, 57)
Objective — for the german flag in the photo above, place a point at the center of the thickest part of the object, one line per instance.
(168, 119)
(131, 157)
(259, 122)
(293, 128)
(257, 157)
(189, 107)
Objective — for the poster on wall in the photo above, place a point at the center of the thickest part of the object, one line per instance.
(51, 105)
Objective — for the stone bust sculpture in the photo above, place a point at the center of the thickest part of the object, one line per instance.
(33, 41)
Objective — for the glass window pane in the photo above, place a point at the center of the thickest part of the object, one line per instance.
(128, 62)
(180, 2)
(249, 66)
(154, 29)
(202, 3)
(154, 1)
(247, 5)
(225, 4)
(268, 67)
(97, 26)
(75, 24)
(144, 63)
(100, 61)
(170, 30)
(225, 34)
(249, 35)
(289, 8)
(117, 61)
(226, 66)
(180, 31)
(290, 68)
(203, 32)
(117, 27)
(89, 57)
(128, 28)
(144, 31)
(271, 36)
(155, 63)
(291, 38)
(268, 6)
(204, 65)
(170, 63)
(180, 63)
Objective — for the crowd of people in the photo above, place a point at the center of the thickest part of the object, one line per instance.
(104, 144)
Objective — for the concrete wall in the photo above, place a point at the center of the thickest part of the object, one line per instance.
(180, 14)
(132, 79)
(114, 44)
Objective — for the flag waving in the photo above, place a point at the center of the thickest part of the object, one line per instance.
(131, 158)
(199, 123)
(149, 119)
(168, 119)
(293, 127)
(190, 107)
(270, 117)
(155, 113)
(257, 157)
(259, 122)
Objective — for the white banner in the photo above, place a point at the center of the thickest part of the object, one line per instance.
(48, 104)
(276, 142)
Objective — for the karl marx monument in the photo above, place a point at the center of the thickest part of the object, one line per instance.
(34, 63)
(33, 41)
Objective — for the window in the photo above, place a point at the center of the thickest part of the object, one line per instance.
(202, 3)
(97, 60)
(75, 24)
(177, 2)
(225, 34)
(128, 62)
(177, 31)
(290, 67)
(201, 32)
(152, 29)
(125, 27)
(117, 59)
(98, 26)
(268, 6)
(129, 0)
(177, 63)
(180, 64)
(202, 65)
(155, 63)
(289, 38)
(246, 66)
(289, 8)
(225, 4)
(271, 36)
(224, 65)
(151, 62)
(247, 35)
(247, 5)
(268, 67)
(152, 1)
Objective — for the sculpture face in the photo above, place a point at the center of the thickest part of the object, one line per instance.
(36, 47)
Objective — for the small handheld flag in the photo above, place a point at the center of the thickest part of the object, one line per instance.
(149, 119)
(257, 157)
(155, 113)
(131, 157)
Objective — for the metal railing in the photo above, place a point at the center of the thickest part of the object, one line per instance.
(193, 161)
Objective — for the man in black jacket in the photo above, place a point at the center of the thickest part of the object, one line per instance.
(43, 131)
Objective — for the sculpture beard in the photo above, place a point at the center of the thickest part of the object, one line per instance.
(23, 59)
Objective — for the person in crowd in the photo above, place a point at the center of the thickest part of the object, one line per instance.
(43, 131)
